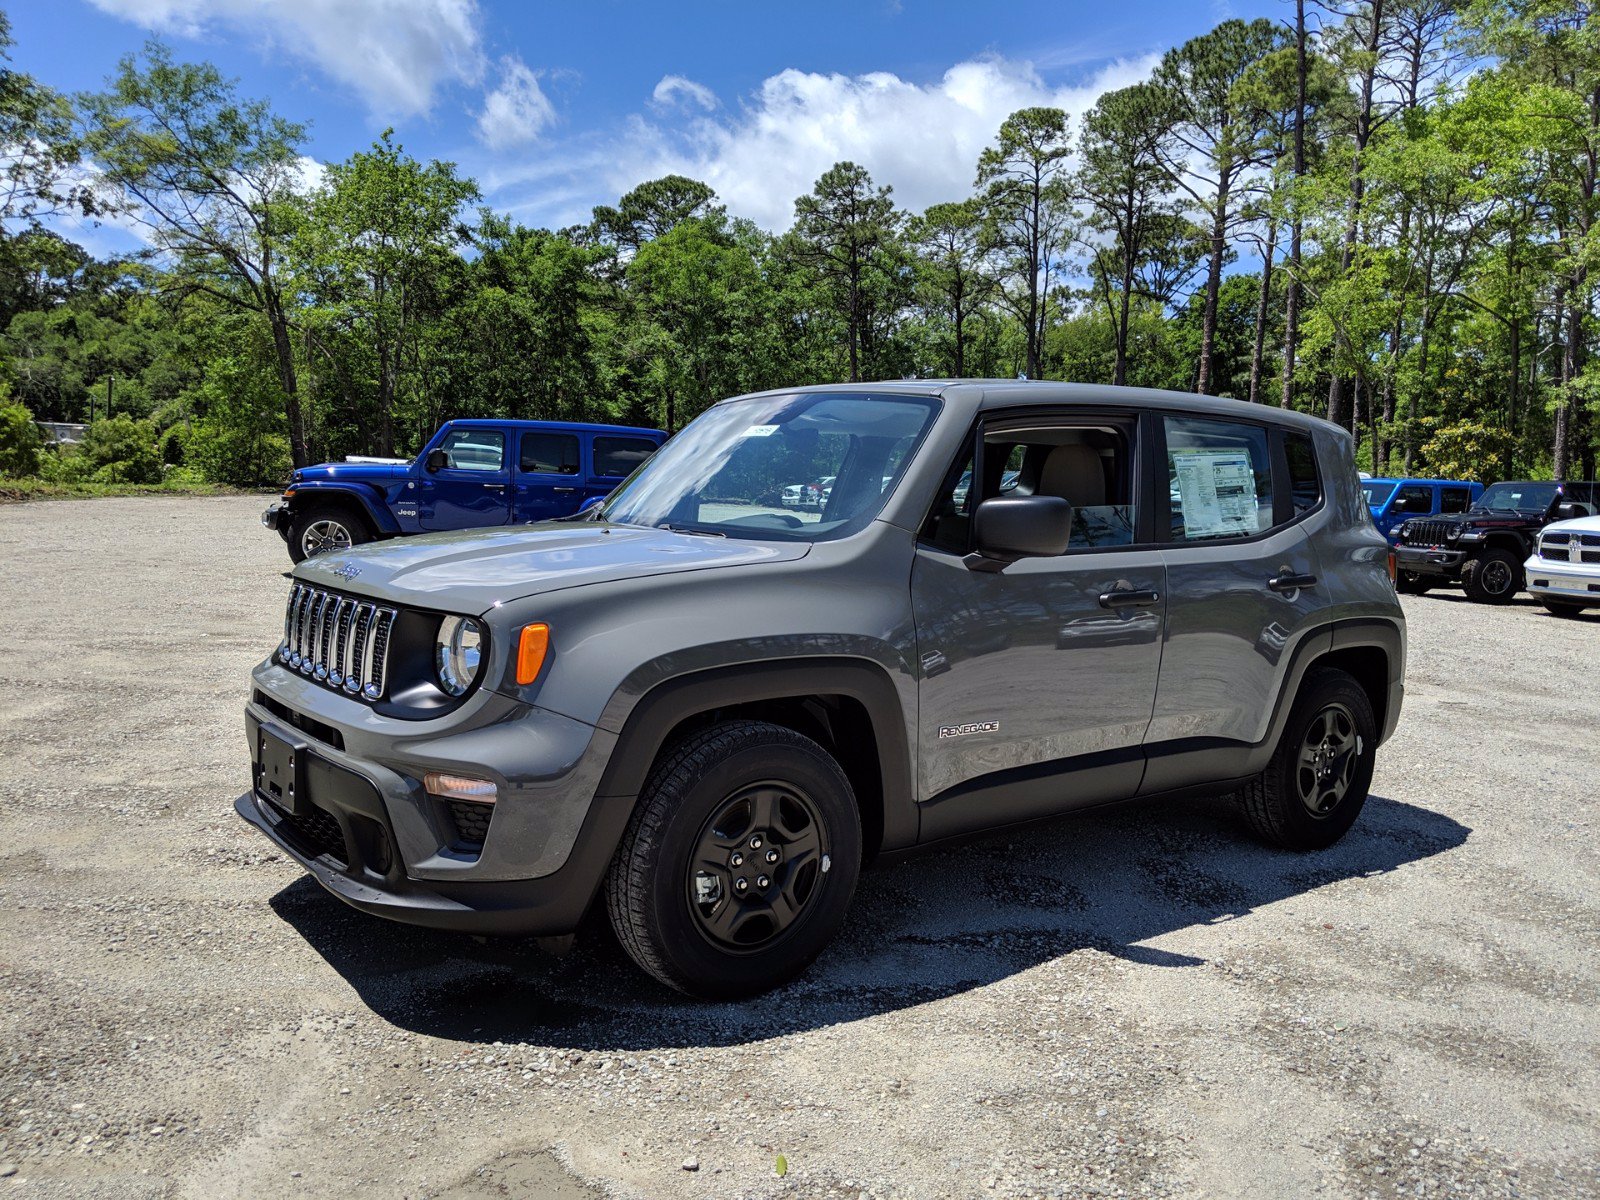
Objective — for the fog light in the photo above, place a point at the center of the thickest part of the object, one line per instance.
(459, 787)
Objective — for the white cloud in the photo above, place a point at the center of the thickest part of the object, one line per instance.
(923, 139)
(672, 87)
(517, 110)
(394, 53)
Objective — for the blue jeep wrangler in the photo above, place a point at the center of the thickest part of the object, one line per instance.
(1391, 501)
(471, 473)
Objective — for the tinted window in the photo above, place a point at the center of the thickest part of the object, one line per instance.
(475, 449)
(550, 453)
(1454, 500)
(1304, 485)
(1416, 498)
(1219, 479)
(619, 456)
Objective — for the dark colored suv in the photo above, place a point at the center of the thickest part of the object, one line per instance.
(1484, 548)
(706, 709)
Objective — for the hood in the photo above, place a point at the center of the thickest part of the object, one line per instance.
(348, 472)
(1575, 525)
(471, 570)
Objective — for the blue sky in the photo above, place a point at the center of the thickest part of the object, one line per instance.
(557, 108)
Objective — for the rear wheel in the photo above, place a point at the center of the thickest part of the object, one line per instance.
(1494, 577)
(1317, 781)
(1561, 608)
(1408, 583)
(325, 529)
(739, 863)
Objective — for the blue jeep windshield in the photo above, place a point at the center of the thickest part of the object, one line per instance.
(1378, 491)
(797, 467)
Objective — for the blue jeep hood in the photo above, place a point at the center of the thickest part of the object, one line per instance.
(340, 472)
(471, 570)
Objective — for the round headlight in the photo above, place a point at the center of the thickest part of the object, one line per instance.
(1405, 528)
(1453, 533)
(458, 653)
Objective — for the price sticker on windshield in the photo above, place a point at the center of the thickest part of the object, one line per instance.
(761, 431)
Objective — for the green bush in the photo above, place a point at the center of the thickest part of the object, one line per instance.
(122, 450)
(20, 440)
(240, 457)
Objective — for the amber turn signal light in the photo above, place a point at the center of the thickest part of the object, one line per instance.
(1394, 569)
(531, 651)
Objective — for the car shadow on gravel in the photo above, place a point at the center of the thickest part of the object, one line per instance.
(921, 930)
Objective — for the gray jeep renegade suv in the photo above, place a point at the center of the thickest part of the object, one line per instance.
(1011, 600)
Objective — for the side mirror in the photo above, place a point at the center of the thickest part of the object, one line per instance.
(1568, 510)
(1412, 504)
(1007, 528)
(438, 459)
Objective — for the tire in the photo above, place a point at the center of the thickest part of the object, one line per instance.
(1494, 577)
(1409, 583)
(1562, 608)
(1291, 804)
(335, 526)
(719, 799)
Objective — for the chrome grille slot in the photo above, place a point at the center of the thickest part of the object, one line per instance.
(339, 641)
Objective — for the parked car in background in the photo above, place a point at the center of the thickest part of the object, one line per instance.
(471, 473)
(1391, 501)
(1485, 547)
(1564, 570)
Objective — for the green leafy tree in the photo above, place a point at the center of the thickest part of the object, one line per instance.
(955, 250)
(20, 439)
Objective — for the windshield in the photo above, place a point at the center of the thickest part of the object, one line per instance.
(1517, 497)
(799, 467)
(1377, 492)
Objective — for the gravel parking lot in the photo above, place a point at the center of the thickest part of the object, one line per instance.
(1138, 1003)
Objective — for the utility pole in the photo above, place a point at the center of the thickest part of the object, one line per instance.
(111, 383)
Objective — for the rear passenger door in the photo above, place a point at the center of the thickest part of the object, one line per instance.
(549, 480)
(1243, 586)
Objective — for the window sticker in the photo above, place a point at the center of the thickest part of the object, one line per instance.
(1217, 489)
(761, 431)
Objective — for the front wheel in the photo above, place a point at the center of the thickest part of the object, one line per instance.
(325, 530)
(1495, 577)
(1561, 608)
(1317, 781)
(739, 862)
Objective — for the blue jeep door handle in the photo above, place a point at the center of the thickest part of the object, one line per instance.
(563, 489)
(1292, 583)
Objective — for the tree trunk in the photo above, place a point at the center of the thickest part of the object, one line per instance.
(1208, 324)
(283, 351)
(1265, 296)
(1291, 315)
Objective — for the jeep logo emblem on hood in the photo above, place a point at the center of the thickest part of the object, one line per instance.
(345, 570)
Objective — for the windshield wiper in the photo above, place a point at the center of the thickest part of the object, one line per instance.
(690, 529)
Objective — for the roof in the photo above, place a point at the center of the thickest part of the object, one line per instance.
(1420, 479)
(589, 426)
(1007, 393)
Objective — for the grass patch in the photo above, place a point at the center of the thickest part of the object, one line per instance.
(15, 491)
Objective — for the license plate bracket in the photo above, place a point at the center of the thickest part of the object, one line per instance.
(280, 770)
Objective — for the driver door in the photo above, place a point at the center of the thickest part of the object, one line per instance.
(473, 488)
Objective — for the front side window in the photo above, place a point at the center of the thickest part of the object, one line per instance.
(1454, 500)
(549, 453)
(1089, 464)
(1219, 479)
(797, 466)
(1415, 498)
(475, 449)
(1305, 487)
(619, 457)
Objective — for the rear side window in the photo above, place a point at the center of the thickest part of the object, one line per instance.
(550, 453)
(619, 456)
(1305, 487)
(475, 449)
(1219, 479)
(1454, 500)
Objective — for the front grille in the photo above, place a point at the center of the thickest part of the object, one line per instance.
(1427, 533)
(1561, 546)
(319, 832)
(472, 819)
(342, 642)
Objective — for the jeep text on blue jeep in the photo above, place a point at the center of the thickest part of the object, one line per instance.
(471, 473)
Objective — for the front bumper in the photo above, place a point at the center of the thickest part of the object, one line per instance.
(1561, 582)
(276, 517)
(368, 832)
(1429, 560)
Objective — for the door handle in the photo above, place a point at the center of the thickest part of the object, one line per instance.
(563, 489)
(1129, 599)
(1291, 583)
(495, 487)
